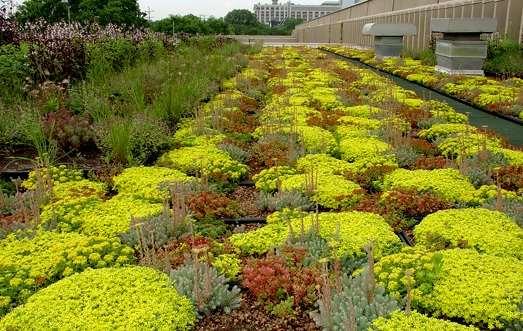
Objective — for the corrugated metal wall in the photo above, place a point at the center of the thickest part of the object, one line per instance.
(345, 26)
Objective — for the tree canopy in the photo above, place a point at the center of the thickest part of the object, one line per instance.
(121, 12)
(239, 21)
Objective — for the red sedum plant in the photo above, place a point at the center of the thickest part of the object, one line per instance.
(274, 278)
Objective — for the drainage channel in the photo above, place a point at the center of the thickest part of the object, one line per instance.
(511, 131)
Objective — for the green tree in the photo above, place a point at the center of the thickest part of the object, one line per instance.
(122, 12)
(244, 21)
(286, 27)
(191, 24)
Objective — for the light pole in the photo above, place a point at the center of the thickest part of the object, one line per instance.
(66, 2)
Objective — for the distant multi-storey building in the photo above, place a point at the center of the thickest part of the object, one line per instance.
(276, 13)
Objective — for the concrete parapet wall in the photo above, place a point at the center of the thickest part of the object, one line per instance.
(264, 39)
(345, 26)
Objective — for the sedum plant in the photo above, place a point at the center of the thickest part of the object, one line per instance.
(330, 191)
(400, 321)
(204, 160)
(480, 289)
(346, 234)
(60, 174)
(447, 184)
(106, 299)
(353, 304)
(83, 188)
(358, 148)
(228, 265)
(268, 180)
(444, 130)
(282, 200)
(148, 183)
(205, 287)
(486, 231)
(34, 260)
(96, 217)
(323, 164)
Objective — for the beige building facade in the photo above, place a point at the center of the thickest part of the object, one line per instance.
(345, 25)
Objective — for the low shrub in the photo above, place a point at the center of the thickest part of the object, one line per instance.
(109, 298)
(486, 231)
(139, 139)
(15, 69)
(70, 131)
(33, 261)
(504, 57)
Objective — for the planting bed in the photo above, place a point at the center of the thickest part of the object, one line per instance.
(341, 160)
(500, 97)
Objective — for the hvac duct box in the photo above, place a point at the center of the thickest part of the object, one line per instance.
(388, 38)
(461, 51)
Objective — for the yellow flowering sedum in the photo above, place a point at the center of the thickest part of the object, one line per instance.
(358, 148)
(30, 262)
(448, 184)
(327, 190)
(347, 234)
(400, 321)
(132, 298)
(149, 183)
(206, 160)
(478, 288)
(323, 164)
(486, 231)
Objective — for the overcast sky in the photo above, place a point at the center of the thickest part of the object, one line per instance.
(163, 8)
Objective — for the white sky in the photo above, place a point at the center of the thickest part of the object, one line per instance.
(163, 8)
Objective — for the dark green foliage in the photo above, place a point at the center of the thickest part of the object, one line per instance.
(137, 140)
(14, 70)
(505, 57)
(121, 12)
(191, 24)
(239, 21)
